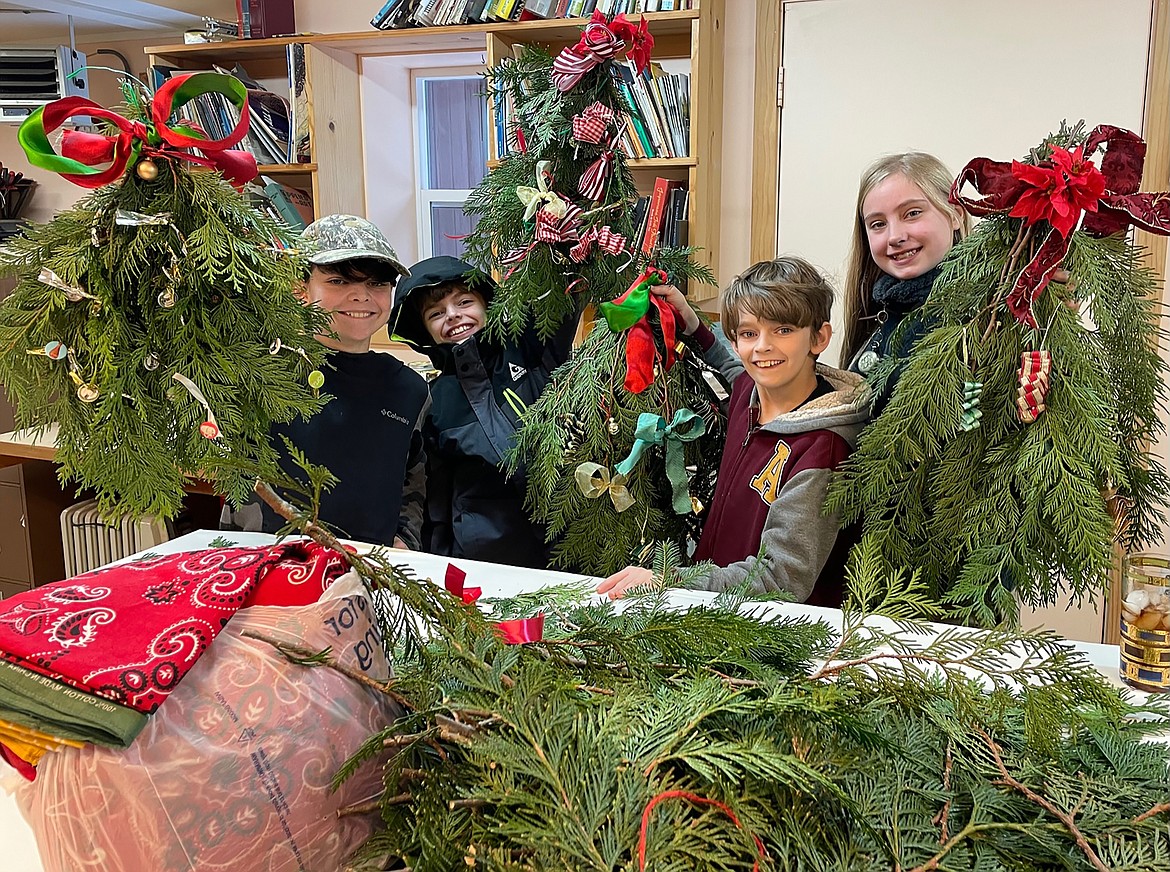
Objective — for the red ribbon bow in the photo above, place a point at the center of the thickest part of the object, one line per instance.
(1059, 191)
(601, 40)
(453, 582)
(82, 152)
(590, 126)
(604, 238)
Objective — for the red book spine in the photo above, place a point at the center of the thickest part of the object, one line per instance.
(654, 216)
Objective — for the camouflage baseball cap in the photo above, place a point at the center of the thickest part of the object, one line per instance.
(335, 238)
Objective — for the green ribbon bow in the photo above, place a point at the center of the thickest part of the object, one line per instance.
(652, 429)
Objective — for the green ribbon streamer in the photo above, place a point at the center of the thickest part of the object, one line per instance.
(686, 426)
(631, 307)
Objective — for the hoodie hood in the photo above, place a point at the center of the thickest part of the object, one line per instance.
(844, 411)
(405, 319)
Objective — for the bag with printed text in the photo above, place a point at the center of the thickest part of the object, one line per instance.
(233, 772)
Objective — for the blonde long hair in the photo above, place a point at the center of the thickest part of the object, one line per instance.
(934, 180)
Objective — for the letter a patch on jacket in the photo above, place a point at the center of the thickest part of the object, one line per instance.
(767, 482)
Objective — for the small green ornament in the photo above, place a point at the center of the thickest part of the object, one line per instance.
(316, 379)
(972, 391)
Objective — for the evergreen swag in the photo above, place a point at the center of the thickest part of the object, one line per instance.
(585, 415)
(994, 511)
(708, 740)
(230, 273)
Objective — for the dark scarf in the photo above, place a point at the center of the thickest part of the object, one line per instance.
(893, 293)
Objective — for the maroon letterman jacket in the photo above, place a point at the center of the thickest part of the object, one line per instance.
(772, 483)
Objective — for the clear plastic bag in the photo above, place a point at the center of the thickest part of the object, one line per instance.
(233, 771)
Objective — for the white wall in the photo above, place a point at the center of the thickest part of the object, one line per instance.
(388, 136)
(950, 77)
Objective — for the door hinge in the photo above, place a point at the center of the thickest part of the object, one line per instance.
(780, 87)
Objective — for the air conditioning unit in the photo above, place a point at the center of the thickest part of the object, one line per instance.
(31, 77)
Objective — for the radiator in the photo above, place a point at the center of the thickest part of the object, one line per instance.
(89, 541)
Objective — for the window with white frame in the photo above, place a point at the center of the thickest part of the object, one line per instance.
(451, 134)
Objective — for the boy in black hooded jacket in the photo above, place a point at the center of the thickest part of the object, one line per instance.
(472, 509)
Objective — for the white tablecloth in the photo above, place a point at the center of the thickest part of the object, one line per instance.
(16, 839)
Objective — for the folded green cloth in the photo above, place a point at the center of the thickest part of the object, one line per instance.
(41, 703)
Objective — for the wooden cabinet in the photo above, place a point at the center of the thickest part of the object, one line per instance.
(31, 501)
(334, 108)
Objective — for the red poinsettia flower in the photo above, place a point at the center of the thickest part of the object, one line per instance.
(1059, 190)
(639, 38)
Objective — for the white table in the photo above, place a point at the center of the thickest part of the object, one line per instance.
(19, 848)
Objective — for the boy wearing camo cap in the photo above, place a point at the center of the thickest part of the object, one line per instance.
(369, 433)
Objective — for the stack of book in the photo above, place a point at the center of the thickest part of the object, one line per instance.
(659, 121)
(440, 13)
(660, 219)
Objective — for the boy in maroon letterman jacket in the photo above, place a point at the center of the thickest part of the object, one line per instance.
(791, 423)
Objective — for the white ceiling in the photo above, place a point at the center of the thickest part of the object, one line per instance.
(36, 20)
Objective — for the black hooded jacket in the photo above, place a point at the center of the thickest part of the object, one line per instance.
(473, 509)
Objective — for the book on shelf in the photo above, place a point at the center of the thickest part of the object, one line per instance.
(396, 14)
(658, 216)
(658, 109)
(259, 19)
(291, 205)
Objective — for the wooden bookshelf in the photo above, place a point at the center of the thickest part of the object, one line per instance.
(333, 78)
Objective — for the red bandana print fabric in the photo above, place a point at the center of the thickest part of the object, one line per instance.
(129, 633)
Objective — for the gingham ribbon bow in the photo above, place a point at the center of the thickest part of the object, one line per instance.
(604, 238)
(590, 126)
(553, 229)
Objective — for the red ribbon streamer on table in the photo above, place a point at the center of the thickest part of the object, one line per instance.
(604, 238)
(591, 125)
(515, 632)
(592, 184)
(522, 630)
(698, 800)
(454, 584)
(1002, 186)
(601, 40)
(82, 153)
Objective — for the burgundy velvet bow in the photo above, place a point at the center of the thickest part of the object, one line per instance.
(1059, 191)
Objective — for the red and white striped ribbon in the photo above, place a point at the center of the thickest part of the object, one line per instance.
(605, 239)
(597, 44)
(592, 184)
